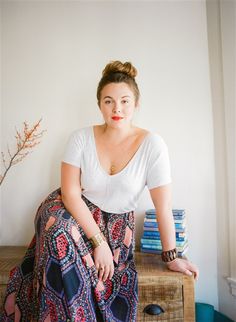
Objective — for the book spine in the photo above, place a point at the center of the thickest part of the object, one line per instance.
(175, 212)
(158, 252)
(178, 239)
(155, 229)
(158, 242)
(157, 234)
(155, 225)
(177, 221)
(159, 247)
(176, 218)
(152, 251)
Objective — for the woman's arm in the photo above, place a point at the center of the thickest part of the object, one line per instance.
(162, 199)
(71, 197)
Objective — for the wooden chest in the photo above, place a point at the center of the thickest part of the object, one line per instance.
(10, 256)
(173, 291)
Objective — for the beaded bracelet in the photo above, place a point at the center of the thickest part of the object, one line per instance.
(169, 255)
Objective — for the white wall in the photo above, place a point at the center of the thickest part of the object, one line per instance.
(53, 54)
(221, 35)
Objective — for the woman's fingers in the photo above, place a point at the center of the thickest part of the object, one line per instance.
(193, 269)
(187, 272)
(103, 259)
(105, 272)
(184, 266)
(97, 266)
(196, 273)
(101, 272)
(111, 271)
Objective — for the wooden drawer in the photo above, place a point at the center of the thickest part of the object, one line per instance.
(173, 291)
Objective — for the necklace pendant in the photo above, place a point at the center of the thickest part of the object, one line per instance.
(112, 169)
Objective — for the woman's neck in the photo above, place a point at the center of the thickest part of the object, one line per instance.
(117, 135)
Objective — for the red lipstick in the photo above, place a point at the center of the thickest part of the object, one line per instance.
(117, 118)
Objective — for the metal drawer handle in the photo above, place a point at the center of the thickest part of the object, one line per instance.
(153, 309)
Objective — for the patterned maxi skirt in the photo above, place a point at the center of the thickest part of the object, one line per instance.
(57, 279)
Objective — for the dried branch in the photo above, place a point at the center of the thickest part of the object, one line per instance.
(25, 142)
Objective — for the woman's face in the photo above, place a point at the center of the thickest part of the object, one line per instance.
(117, 104)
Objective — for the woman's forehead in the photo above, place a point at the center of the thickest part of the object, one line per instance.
(117, 89)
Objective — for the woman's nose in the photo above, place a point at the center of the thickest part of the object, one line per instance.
(116, 108)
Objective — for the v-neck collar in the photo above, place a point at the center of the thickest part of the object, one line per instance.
(127, 165)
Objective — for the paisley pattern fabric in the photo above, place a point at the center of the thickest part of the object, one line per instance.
(57, 279)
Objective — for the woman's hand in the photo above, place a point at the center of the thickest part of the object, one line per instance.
(183, 266)
(103, 259)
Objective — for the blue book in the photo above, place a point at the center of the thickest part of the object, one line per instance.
(152, 251)
(155, 225)
(178, 215)
(180, 225)
(157, 234)
(150, 228)
(150, 216)
(158, 238)
(176, 218)
(177, 221)
(150, 246)
(158, 242)
(178, 230)
(158, 252)
(152, 233)
(153, 246)
(176, 212)
(159, 246)
(151, 211)
(180, 238)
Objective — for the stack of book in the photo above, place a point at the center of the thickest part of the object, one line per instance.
(150, 240)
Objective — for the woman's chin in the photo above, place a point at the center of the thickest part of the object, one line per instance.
(118, 124)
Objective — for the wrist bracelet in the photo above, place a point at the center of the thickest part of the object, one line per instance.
(169, 255)
(97, 239)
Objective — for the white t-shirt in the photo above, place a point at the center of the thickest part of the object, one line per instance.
(118, 193)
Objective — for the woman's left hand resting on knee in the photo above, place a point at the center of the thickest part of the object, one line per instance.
(161, 197)
(103, 259)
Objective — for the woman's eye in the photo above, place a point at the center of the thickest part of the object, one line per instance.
(125, 101)
(107, 102)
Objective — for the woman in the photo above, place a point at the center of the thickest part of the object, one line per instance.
(80, 264)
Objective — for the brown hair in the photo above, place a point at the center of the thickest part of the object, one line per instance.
(118, 72)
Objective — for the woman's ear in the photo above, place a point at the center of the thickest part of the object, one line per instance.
(137, 104)
(98, 104)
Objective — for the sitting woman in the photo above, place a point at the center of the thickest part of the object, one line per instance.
(80, 264)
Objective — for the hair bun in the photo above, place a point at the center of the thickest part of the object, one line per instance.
(117, 66)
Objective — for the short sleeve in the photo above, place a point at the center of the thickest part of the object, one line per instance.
(73, 149)
(159, 170)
